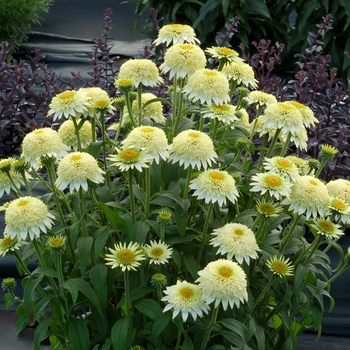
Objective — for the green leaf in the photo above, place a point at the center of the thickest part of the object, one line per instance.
(74, 231)
(94, 148)
(100, 241)
(40, 333)
(72, 288)
(84, 248)
(46, 272)
(136, 294)
(119, 334)
(98, 277)
(190, 264)
(187, 344)
(139, 231)
(78, 334)
(180, 214)
(21, 323)
(42, 305)
(29, 289)
(150, 308)
(140, 194)
(159, 326)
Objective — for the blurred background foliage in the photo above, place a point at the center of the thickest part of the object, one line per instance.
(282, 21)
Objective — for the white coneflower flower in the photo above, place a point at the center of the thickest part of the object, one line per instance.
(186, 298)
(299, 138)
(282, 166)
(280, 266)
(306, 112)
(140, 71)
(76, 169)
(176, 33)
(224, 54)
(207, 86)
(261, 98)
(100, 102)
(150, 138)
(57, 243)
(158, 253)
(340, 208)
(43, 142)
(327, 228)
(223, 281)
(235, 240)
(127, 257)
(69, 103)
(302, 164)
(215, 186)
(275, 184)
(225, 113)
(309, 196)
(9, 245)
(27, 216)
(193, 147)
(7, 173)
(69, 137)
(339, 188)
(241, 73)
(183, 60)
(268, 208)
(130, 158)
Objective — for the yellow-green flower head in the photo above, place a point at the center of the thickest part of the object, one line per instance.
(340, 209)
(127, 257)
(223, 281)
(225, 113)
(224, 54)
(153, 111)
(131, 158)
(70, 103)
(9, 178)
(165, 217)
(193, 147)
(185, 298)
(280, 266)
(261, 98)
(215, 186)
(140, 71)
(120, 102)
(262, 129)
(158, 280)
(268, 208)
(207, 86)
(282, 166)
(158, 253)
(309, 196)
(100, 102)
(76, 169)
(27, 216)
(283, 116)
(57, 242)
(241, 73)
(8, 283)
(8, 245)
(235, 241)
(274, 184)
(328, 152)
(183, 60)
(306, 112)
(124, 85)
(150, 138)
(67, 133)
(326, 227)
(302, 164)
(19, 165)
(176, 34)
(43, 142)
(339, 188)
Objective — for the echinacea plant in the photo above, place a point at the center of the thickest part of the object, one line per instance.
(187, 223)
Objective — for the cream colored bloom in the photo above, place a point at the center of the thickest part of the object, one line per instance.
(76, 169)
(192, 147)
(9, 245)
(158, 253)
(268, 208)
(130, 158)
(224, 54)
(27, 216)
(183, 60)
(261, 98)
(309, 196)
(282, 166)
(302, 164)
(340, 209)
(241, 73)
(150, 138)
(43, 142)
(326, 227)
(306, 112)
(176, 33)
(57, 242)
(280, 266)
(283, 116)
(223, 281)
(153, 111)
(339, 188)
(299, 138)
(7, 173)
(207, 86)
(185, 298)
(236, 240)
(274, 184)
(67, 133)
(70, 103)
(140, 71)
(225, 113)
(328, 152)
(215, 186)
(100, 102)
(128, 257)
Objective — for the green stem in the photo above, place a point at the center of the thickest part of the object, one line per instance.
(77, 133)
(127, 297)
(263, 292)
(210, 328)
(93, 129)
(131, 194)
(26, 184)
(129, 109)
(104, 144)
(205, 231)
(255, 122)
(323, 163)
(178, 114)
(188, 180)
(273, 143)
(17, 190)
(287, 236)
(286, 144)
(148, 191)
(139, 102)
(263, 150)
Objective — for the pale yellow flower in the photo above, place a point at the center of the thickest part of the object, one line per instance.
(69, 137)
(339, 188)
(176, 33)
(261, 98)
(327, 228)
(224, 54)
(158, 252)
(280, 266)
(241, 73)
(225, 113)
(306, 112)
(130, 158)
(282, 166)
(100, 102)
